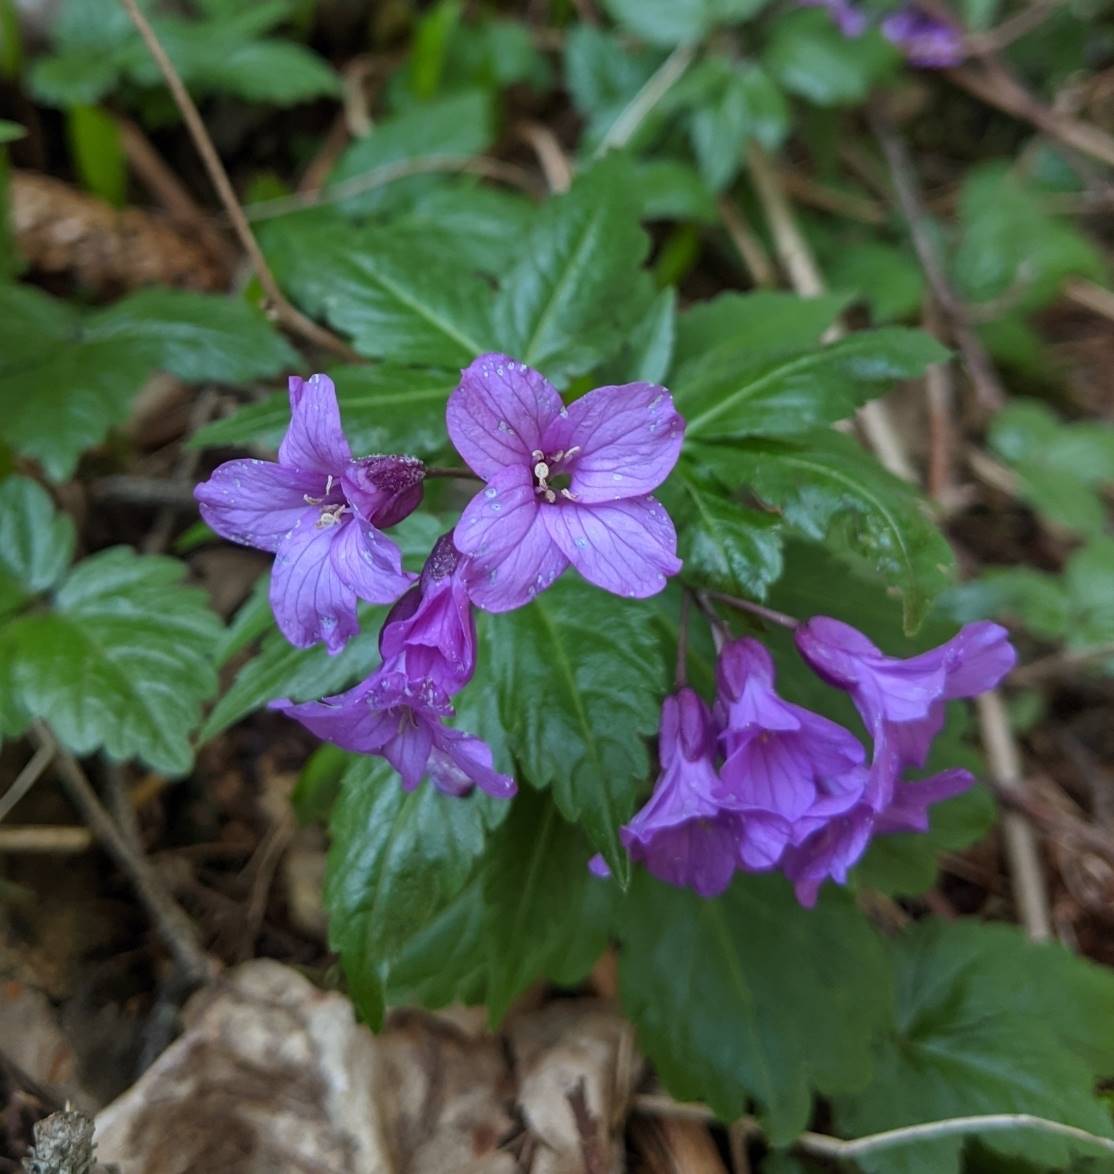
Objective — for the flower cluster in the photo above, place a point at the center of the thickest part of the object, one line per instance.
(760, 783)
(927, 41)
(563, 485)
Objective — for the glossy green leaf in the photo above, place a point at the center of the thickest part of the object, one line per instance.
(986, 1022)
(751, 996)
(828, 489)
(566, 305)
(736, 393)
(397, 858)
(579, 676)
(122, 660)
(36, 543)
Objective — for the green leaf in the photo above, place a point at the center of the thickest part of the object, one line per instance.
(302, 674)
(751, 996)
(267, 70)
(986, 1022)
(1035, 599)
(122, 661)
(1010, 247)
(810, 57)
(198, 337)
(1059, 467)
(671, 189)
(566, 304)
(396, 859)
(603, 74)
(395, 298)
(36, 543)
(545, 913)
(384, 409)
(450, 128)
(885, 277)
(673, 22)
(737, 394)
(731, 326)
(11, 132)
(724, 544)
(648, 351)
(315, 793)
(66, 379)
(831, 491)
(579, 677)
(742, 104)
(94, 138)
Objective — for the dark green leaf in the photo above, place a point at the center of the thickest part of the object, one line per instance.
(888, 279)
(94, 138)
(603, 74)
(749, 995)
(649, 349)
(545, 913)
(397, 858)
(36, 544)
(831, 491)
(672, 190)
(566, 304)
(986, 1023)
(724, 544)
(122, 661)
(579, 681)
(267, 70)
(384, 409)
(737, 394)
(811, 57)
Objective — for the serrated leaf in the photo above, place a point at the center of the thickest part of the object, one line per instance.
(739, 394)
(384, 409)
(451, 128)
(545, 913)
(395, 298)
(66, 379)
(725, 544)
(831, 491)
(579, 680)
(302, 674)
(122, 661)
(1059, 466)
(749, 995)
(985, 1022)
(36, 543)
(397, 858)
(565, 306)
(810, 57)
(731, 325)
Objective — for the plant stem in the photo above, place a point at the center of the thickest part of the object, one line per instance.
(451, 471)
(766, 613)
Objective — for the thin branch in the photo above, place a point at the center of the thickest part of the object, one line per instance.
(1090, 296)
(45, 839)
(25, 780)
(389, 173)
(660, 82)
(804, 275)
(1057, 664)
(1012, 29)
(979, 365)
(765, 613)
(750, 249)
(1022, 851)
(174, 926)
(550, 154)
(939, 391)
(286, 313)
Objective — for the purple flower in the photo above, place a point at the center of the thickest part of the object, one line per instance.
(683, 834)
(926, 41)
(902, 701)
(402, 720)
(318, 511)
(850, 21)
(431, 629)
(565, 485)
(779, 757)
(837, 844)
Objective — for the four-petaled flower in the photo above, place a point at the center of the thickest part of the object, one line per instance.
(431, 629)
(319, 512)
(565, 484)
(402, 720)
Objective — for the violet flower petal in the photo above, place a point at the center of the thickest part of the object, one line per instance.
(368, 562)
(348, 719)
(626, 547)
(497, 415)
(256, 503)
(460, 756)
(927, 42)
(513, 558)
(315, 440)
(908, 810)
(629, 438)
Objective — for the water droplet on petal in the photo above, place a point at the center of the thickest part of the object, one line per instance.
(616, 476)
(491, 576)
(564, 413)
(580, 543)
(504, 426)
(495, 507)
(491, 491)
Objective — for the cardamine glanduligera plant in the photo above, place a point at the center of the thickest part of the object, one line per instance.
(752, 782)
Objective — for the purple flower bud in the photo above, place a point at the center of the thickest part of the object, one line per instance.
(683, 835)
(432, 629)
(565, 484)
(402, 720)
(310, 512)
(385, 489)
(926, 41)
